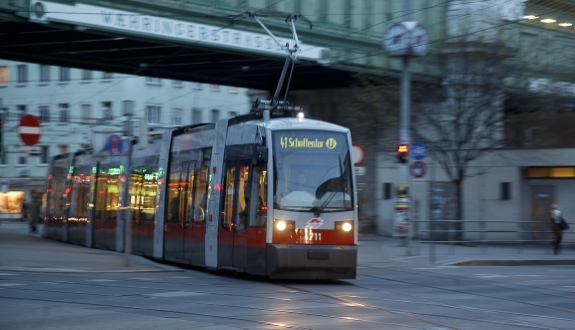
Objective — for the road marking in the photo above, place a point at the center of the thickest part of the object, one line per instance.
(497, 275)
(175, 294)
(101, 280)
(184, 277)
(143, 278)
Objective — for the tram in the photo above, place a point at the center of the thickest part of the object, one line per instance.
(267, 193)
(228, 195)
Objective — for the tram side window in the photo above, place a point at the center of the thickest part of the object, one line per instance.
(186, 196)
(112, 191)
(258, 197)
(201, 193)
(136, 187)
(174, 194)
(228, 198)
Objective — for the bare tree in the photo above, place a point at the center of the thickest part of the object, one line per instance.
(469, 120)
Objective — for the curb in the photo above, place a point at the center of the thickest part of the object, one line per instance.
(513, 262)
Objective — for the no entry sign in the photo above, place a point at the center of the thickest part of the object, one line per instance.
(29, 130)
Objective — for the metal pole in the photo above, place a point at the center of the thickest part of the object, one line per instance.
(125, 199)
(404, 133)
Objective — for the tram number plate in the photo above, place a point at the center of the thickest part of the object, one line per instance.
(316, 236)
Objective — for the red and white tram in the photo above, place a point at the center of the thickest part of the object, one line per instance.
(266, 193)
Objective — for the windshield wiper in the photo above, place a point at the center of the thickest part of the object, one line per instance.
(318, 210)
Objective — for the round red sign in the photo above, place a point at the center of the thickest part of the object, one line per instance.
(29, 130)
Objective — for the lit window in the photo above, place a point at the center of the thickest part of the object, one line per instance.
(548, 20)
(4, 75)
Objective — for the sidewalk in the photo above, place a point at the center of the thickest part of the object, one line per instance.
(21, 251)
(375, 248)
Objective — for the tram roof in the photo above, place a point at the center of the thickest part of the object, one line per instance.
(304, 124)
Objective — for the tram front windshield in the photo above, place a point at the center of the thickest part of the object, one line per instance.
(312, 171)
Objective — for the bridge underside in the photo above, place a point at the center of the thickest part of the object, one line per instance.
(63, 45)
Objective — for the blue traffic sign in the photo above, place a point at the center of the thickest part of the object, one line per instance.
(418, 151)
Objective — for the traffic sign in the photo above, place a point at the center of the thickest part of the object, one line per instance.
(418, 151)
(357, 154)
(418, 169)
(114, 145)
(29, 130)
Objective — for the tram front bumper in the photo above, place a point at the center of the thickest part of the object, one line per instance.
(297, 261)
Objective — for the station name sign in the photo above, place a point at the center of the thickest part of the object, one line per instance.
(89, 16)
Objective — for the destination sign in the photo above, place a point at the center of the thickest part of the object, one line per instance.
(310, 140)
(289, 142)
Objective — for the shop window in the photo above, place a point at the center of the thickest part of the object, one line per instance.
(11, 201)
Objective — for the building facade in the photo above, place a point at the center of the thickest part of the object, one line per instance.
(79, 108)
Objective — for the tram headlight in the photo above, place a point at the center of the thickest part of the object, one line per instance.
(344, 226)
(284, 225)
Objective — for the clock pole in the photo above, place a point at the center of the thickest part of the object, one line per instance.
(405, 40)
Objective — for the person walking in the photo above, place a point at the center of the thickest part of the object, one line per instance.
(34, 213)
(556, 222)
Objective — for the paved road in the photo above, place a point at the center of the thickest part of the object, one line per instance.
(51, 285)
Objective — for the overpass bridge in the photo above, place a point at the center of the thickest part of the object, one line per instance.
(195, 41)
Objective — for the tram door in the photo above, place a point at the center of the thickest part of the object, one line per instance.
(233, 234)
(178, 231)
(106, 206)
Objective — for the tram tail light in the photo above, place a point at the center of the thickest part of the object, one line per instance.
(344, 226)
(284, 225)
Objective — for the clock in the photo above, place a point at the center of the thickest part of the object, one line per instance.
(419, 40)
(396, 40)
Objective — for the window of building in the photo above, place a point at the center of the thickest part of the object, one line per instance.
(232, 89)
(21, 111)
(233, 113)
(178, 83)
(63, 148)
(196, 115)
(153, 114)
(505, 191)
(197, 86)
(64, 112)
(177, 116)
(107, 76)
(44, 114)
(86, 75)
(387, 190)
(86, 113)
(215, 115)
(44, 73)
(22, 158)
(44, 155)
(153, 80)
(4, 75)
(107, 112)
(214, 88)
(64, 74)
(3, 160)
(22, 74)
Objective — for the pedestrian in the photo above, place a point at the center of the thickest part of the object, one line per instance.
(24, 209)
(557, 226)
(34, 213)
